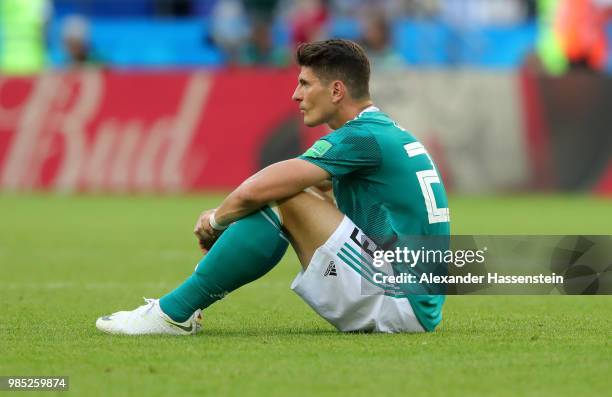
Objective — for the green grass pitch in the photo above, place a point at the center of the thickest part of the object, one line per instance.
(64, 261)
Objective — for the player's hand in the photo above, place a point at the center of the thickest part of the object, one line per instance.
(205, 245)
(204, 232)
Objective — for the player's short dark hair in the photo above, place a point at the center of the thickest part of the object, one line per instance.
(341, 60)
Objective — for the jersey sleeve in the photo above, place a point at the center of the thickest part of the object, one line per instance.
(344, 151)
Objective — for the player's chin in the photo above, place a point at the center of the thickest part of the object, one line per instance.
(311, 122)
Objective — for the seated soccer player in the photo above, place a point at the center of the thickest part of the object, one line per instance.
(385, 187)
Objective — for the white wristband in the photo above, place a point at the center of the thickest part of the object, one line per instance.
(213, 223)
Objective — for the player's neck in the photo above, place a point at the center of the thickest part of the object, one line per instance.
(348, 112)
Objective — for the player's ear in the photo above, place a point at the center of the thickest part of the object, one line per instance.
(338, 91)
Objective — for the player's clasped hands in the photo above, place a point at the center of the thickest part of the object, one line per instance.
(204, 232)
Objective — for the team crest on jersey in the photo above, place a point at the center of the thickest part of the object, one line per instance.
(318, 149)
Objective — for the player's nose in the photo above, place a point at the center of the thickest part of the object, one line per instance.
(297, 95)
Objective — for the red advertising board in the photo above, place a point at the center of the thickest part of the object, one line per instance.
(113, 131)
(135, 131)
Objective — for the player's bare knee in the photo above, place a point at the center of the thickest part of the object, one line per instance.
(309, 221)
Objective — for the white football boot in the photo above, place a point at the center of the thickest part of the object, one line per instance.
(148, 320)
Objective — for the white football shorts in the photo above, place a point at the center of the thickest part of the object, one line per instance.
(334, 287)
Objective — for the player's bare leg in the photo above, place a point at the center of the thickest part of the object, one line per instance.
(309, 218)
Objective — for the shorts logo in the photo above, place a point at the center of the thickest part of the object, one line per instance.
(331, 270)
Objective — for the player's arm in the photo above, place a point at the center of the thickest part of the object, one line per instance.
(275, 182)
(323, 190)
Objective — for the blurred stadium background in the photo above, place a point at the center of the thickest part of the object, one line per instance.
(188, 95)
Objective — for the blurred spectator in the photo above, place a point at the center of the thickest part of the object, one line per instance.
(389, 8)
(230, 27)
(75, 36)
(423, 8)
(175, 8)
(531, 8)
(203, 8)
(376, 42)
(308, 21)
(260, 51)
(572, 34)
(22, 35)
(470, 13)
(260, 11)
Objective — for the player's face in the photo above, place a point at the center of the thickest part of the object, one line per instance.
(314, 98)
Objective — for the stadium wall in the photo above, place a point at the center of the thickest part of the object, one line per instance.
(570, 130)
(109, 131)
(470, 120)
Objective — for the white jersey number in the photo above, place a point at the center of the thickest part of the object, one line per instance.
(426, 179)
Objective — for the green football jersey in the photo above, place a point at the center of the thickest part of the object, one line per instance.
(386, 183)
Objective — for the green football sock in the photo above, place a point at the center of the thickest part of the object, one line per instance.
(247, 250)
